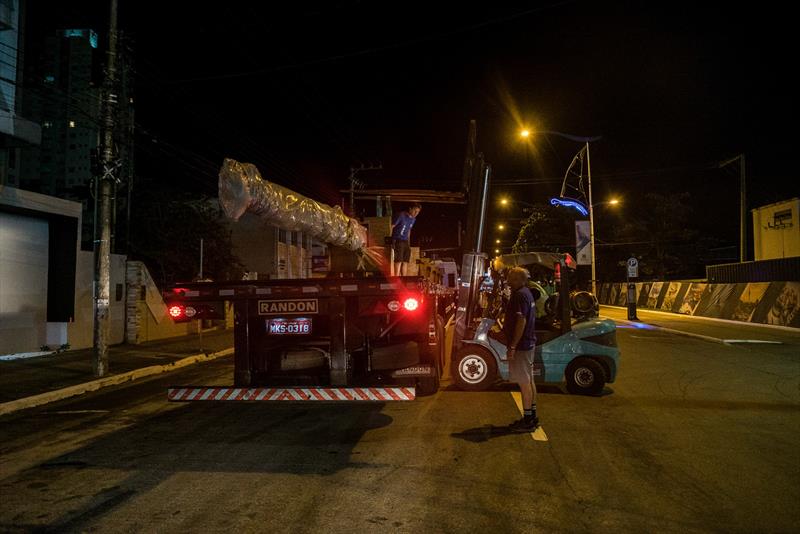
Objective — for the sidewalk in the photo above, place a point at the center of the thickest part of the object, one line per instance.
(714, 329)
(32, 376)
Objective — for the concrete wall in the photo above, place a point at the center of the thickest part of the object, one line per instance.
(79, 334)
(776, 236)
(147, 317)
(776, 303)
(255, 244)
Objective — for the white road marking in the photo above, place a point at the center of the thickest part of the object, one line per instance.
(538, 434)
(761, 341)
(71, 412)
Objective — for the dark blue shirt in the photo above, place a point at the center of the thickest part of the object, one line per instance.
(402, 226)
(521, 305)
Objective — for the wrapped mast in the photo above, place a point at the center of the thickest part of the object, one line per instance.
(241, 189)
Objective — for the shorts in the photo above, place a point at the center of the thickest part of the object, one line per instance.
(520, 367)
(402, 251)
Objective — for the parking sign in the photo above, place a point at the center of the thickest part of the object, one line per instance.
(633, 268)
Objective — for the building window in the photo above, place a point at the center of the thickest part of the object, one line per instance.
(72, 124)
(782, 219)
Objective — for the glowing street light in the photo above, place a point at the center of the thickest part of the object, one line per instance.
(614, 201)
(504, 201)
(497, 241)
(525, 133)
(497, 251)
(501, 226)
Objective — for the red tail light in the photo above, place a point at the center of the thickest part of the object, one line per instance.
(411, 304)
(175, 311)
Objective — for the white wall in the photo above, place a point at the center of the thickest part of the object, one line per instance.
(773, 241)
(80, 332)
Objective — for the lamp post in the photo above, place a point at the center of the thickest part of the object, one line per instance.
(526, 133)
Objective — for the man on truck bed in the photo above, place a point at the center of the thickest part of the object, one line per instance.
(401, 237)
(521, 338)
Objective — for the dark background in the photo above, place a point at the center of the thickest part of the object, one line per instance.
(305, 90)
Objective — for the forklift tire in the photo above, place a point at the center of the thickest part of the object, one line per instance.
(585, 376)
(474, 368)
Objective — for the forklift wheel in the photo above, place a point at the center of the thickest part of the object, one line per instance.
(585, 376)
(474, 368)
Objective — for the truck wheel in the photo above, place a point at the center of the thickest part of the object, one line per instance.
(585, 376)
(440, 331)
(428, 385)
(474, 368)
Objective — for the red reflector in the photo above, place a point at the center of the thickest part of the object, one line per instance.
(411, 304)
(176, 311)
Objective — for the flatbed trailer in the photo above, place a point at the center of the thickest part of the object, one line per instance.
(360, 339)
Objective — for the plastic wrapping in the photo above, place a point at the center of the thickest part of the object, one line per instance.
(241, 189)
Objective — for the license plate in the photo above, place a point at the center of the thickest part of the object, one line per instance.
(289, 327)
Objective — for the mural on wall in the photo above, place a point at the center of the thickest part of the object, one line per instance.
(692, 298)
(775, 303)
(643, 292)
(714, 301)
(748, 301)
(604, 293)
(669, 298)
(786, 310)
(622, 295)
(612, 294)
(655, 291)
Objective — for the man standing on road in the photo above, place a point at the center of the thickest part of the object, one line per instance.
(401, 238)
(521, 339)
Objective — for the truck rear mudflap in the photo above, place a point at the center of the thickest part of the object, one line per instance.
(327, 394)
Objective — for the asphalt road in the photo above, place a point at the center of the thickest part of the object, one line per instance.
(694, 436)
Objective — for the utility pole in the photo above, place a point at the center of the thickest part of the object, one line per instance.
(742, 203)
(102, 246)
(742, 211)
(354, 182)
(591, 220)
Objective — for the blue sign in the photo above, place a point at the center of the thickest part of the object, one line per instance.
(570, 203)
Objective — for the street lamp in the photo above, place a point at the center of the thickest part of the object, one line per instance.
(526, 133)
(501, 226)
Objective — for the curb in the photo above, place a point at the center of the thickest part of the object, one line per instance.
(701, 318)
(94, 385)
(672, 331)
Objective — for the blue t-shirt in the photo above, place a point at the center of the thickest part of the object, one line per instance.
(402, 226)
(521, 302)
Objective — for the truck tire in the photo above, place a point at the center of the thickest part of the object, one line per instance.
(474, 368)
(428, 385)
(585, 376)
(440, 332)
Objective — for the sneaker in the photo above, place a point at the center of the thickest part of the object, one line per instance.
(524, 425)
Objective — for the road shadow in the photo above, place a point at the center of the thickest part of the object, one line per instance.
(548, 389)
(293, 438)
(483, 433)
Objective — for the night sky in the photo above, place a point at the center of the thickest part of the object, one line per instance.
(306, 90)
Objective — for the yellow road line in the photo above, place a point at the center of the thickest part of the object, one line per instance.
(538, 434)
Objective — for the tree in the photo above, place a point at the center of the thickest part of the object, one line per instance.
(547, 229)
(166, 229)
(658, 231)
